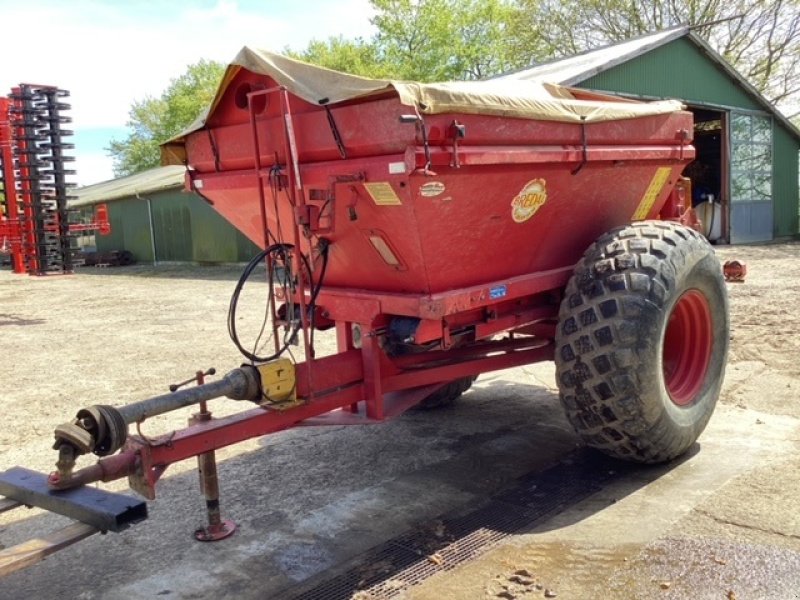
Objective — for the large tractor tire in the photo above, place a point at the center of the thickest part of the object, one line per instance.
(642, 341)
(447, 394)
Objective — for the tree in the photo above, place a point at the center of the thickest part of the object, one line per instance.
(760, 38)
(763, 43)
(155, 120)
(439, 40)
(429, 40)
(358, 57)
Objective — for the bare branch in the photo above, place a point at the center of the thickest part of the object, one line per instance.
(760, 38)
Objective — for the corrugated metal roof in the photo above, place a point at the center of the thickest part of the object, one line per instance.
(146, 182)
(574, 70)
(728, 68)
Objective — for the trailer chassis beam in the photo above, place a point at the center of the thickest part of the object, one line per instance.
(144, 460)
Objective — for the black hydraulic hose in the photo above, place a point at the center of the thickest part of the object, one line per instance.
(324, 247)
(248, 270)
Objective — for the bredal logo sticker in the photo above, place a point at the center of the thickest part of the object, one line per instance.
(431, 189)
(529, 200)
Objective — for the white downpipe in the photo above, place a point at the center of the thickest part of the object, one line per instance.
(152, 228)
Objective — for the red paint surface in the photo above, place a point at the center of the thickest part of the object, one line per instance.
(463, 236)
(687, 347)
(462, 261)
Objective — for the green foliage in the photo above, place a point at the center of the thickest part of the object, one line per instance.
(433, 40)
(357, 57)
(440, 40)
(155, 120)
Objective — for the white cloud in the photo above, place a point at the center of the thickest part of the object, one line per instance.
(108, 57)
(92, 168)
(110, 54)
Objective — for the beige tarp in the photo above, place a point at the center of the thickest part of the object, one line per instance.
(502, 97)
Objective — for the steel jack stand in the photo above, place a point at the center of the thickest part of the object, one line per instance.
(217, 528)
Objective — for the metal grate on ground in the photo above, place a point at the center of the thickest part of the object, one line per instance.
(387, 570)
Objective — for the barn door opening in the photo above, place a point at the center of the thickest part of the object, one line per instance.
(709, 173)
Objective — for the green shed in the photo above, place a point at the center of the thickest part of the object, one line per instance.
(745, 177)
(154, 218)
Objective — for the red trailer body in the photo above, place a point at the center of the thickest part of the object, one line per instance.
(452, 226)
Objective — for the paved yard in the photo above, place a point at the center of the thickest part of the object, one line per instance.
(723, 523)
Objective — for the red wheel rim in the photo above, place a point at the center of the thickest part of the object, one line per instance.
(687, 347)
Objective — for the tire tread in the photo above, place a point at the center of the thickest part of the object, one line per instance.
(626, 276)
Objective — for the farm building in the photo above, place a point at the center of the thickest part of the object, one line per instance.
(747, 151)
(154, 218)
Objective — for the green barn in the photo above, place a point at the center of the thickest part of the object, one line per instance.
(154, 218)
(746, 169)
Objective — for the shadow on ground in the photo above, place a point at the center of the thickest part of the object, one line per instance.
(227, 272)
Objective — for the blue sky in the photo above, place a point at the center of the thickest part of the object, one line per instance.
(109, 54)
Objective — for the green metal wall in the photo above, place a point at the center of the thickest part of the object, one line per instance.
(681, 70)
(185, 228)
(130, 229)
(676, 70)
(785, 182)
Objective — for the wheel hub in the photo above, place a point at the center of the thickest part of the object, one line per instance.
(688, 341)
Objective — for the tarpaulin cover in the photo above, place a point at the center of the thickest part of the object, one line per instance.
(499, 97)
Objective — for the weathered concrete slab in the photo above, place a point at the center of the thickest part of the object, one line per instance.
(726, 519)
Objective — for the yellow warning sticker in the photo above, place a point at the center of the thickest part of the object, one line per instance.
(382, 194)
(652, 193)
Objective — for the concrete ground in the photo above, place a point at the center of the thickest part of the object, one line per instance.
(723, 523)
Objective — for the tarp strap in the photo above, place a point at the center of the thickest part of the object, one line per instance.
(214, 150)
(585, 155)
(335, 131)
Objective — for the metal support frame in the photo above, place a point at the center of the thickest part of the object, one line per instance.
(9, 223)
(35, 228)
(400, 385)
(296, 197)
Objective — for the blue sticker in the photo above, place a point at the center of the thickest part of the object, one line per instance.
(498, 291)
